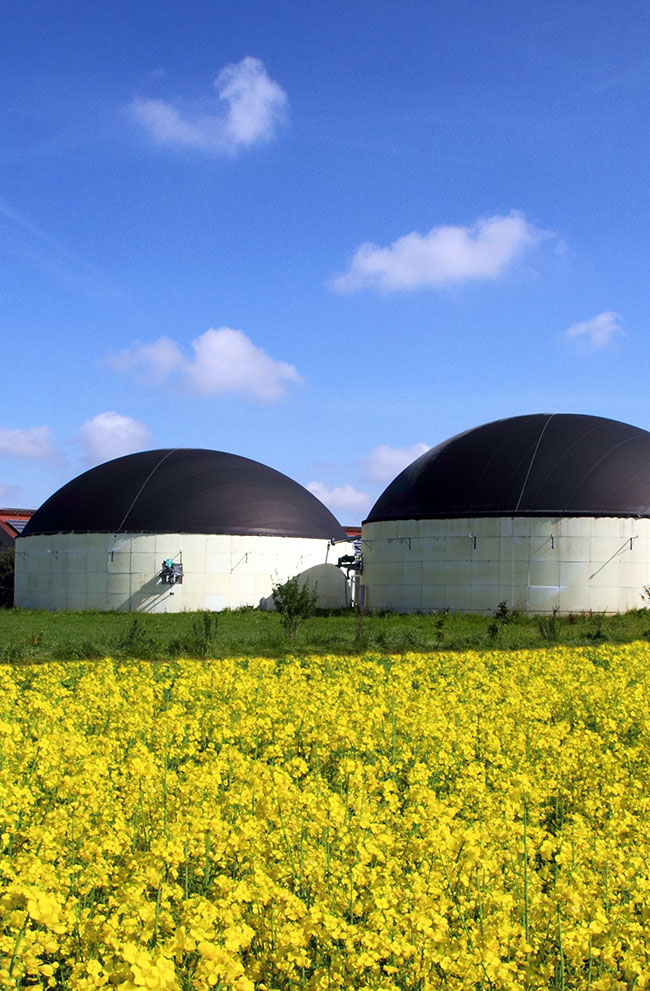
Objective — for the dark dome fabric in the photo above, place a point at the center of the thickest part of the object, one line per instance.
(185, 491)
(542, 464)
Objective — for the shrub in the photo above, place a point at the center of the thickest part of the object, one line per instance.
(502, 611)
(294, 604)
(549, 626)
(136, 642)
(7, 568)
(200, 641)
(439, 624)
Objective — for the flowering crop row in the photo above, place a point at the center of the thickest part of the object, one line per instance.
(452, 821)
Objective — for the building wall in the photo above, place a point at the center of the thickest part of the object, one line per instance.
(7, 536)
(535, 564)
(76, 571)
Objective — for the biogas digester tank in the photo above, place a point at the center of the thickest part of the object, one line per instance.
(543, 511)
(227, 526)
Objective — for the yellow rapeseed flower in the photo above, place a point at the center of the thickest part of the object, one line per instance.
(452, 821)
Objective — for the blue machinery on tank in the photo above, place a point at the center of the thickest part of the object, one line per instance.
(172, 572)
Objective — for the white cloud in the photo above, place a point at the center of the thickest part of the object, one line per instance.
(111, 435)
(598, 332)
(34, 444)
(224, 360)
(249, 108)
(444, 256)
(383, 463)
(159, 360)
(343, 499)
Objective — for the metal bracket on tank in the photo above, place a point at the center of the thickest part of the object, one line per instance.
(400, 540)
(243, 558)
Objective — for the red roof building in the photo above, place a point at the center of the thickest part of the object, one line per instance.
(12, 522)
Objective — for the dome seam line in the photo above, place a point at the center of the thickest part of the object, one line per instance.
(532, 461)
(142, 487)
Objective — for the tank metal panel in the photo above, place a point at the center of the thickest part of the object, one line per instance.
(538, 564)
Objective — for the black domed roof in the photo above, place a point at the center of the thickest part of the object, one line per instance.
(542, 464)
(185, 490)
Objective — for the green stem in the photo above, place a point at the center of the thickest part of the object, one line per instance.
(560, 948)
(286, 840)
(187, 866)
(526, 867)
(19, 940)
(154, 938)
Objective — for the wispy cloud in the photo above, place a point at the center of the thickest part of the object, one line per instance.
(382, 464)
(31, 444)
(22, 239)
(111, 435)
(343, 500)
(223, 361)
(248, 110)
(597, 333)
(445, 256)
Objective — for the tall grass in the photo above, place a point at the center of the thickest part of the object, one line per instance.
(35, 636)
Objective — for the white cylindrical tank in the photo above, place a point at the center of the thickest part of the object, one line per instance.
(77, 571)
(535, 564)
(235, 528)
(545, 512)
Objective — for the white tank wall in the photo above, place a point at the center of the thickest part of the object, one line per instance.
(76, 571)
(535, 565)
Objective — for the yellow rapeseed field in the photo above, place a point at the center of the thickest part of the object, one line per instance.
(453, 821)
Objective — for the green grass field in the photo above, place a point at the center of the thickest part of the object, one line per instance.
(36, 636)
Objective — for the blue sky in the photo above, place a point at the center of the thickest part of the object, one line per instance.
(322, 235)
